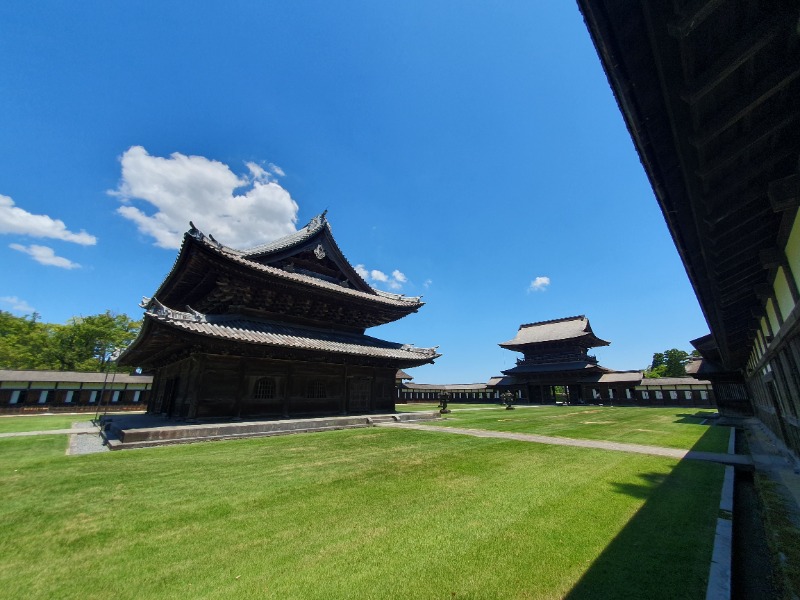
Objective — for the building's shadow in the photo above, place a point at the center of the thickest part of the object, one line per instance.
(664, 551)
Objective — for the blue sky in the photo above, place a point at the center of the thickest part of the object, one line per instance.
(475, 148)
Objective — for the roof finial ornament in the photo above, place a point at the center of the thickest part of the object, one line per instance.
(317, 221)
(195, 232)
(198, 316)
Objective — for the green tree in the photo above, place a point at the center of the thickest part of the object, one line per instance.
(670, 363)
(82, 344)
(23, 341)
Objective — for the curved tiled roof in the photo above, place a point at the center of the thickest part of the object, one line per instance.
(555, 330)
(315, 225)
(268, 333)
(238, 257)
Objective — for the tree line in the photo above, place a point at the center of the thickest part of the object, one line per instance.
(81, 344)
(670, 363)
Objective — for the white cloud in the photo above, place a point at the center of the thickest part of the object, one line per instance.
(276, 170)
(258, 172)
(427, 283)
(394, 281)
(539, 284)
(376, 275)
(45, 255)
(398, 279)
(17, 220)
(362, 272)
(239, 211)
(17, 304)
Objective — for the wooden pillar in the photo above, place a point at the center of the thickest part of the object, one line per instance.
(345, 391)
(195, 386)
(241, 389)
(287, 392)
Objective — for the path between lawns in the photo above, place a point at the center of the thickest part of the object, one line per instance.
(727, 459)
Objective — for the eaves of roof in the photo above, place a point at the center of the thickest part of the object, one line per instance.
(240, 329)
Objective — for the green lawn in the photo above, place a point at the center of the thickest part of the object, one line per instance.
(41, 422)
(367, 513)
(667, 427)
(432, 406)
(14, 424)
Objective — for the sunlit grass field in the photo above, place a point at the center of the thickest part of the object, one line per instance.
(41, 422)
(367, 513)
(15, 424)
(666, 427)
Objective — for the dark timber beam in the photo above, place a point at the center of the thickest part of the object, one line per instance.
(747, 103)
(784, 193)
(748, 175)
(723, 160)
(744, 220)
(771, 258)
(694, 15)
(731, 205)
(735, 57)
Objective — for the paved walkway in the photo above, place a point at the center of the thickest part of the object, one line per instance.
(84, 437)
(727, 459)
(49, 432)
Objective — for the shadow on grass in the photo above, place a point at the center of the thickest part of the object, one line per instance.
(664, 551)
(696, 418)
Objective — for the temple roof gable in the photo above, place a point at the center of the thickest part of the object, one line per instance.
(309, 261)
(313, 251)
(566, 329)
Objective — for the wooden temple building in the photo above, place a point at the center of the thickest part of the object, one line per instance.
(556, 360)
(710, 93)
(277, 330)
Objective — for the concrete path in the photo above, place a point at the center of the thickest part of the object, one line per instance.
(84, 437)
(48, 432)
(727, 459)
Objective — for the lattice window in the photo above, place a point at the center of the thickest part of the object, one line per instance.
(264, 389)
(317, 389)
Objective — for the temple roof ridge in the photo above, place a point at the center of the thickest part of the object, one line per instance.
(315, 225)
(394, 296)
(561, 320)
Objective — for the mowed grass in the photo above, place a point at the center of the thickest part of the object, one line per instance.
(41, 422)
(666, 427)
(16, 424)
(367, 513)
(433, 406)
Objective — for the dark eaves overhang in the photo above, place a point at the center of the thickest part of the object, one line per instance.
(708, 91)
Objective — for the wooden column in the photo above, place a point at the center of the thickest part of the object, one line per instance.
(345, 391)
(241, 390)
(194, 395)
